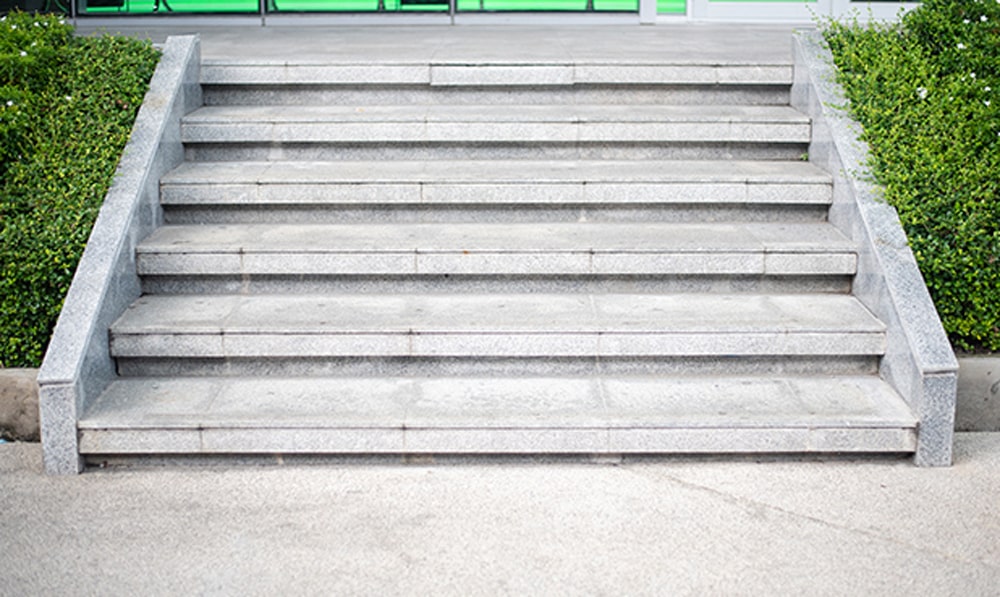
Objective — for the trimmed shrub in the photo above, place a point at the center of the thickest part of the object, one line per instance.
(67, 106)
(925, 91)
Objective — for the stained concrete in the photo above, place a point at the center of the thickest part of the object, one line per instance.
(978, 406)
(667, 527)
(19, 404)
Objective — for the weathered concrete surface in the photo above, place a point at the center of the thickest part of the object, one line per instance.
(687, 527)
(978, 398)
(978, 407)
(19, 404)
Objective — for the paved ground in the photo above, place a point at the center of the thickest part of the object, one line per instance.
(481, 43)
(704, 527)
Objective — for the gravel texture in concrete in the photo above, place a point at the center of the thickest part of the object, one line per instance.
(681, 526)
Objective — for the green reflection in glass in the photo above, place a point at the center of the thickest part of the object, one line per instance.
(93, 7)
(671, 7)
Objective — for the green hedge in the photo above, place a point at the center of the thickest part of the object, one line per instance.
(67, 105)
(927, 92)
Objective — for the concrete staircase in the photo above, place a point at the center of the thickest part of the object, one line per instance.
(496, 259)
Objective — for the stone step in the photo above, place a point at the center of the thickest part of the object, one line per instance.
(495, 191)
(505, 182)
(230, 150)
(546, 415)
(700, 283)
(601, 249)
(481, 326)
(815, 366)
(354, 93)
(496, 124)
(490, 73)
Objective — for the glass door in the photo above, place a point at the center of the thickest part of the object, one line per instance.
(547, 5)
(759, 10)
(882, 10)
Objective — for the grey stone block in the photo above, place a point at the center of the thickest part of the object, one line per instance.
(308, 74)
(919, 361)
(512, 75)
(77, 366)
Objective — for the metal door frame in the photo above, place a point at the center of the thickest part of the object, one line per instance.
(774, 11)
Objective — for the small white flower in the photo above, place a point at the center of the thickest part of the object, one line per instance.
(69, 98)
(973, 75)
(961, 46)
(922, 92)
(983, 18)
(986, 103)
(966, 21)
(987, 89)
(10, 103)
(13, 26)
(23, 53)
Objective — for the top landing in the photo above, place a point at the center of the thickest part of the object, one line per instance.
(689, 43)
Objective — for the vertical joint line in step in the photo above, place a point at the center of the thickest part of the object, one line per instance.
(244, 274)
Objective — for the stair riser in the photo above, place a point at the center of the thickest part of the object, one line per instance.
(433, 195)
(375, 131)
(249, 262)
(509, 75)
(502, 344)
(326, 151)
(378, 285)
(379, 367)
(496, 441)
(298, 95)
(399, 214)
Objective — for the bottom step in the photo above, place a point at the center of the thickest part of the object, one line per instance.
(497, 416)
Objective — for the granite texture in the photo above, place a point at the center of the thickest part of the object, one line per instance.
(77, 365)
(500, 249)
(436, 332)
(493, 123)
(586, 93)
(463, 415)
(918, 361)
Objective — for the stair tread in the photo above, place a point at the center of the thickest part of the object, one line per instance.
(411, 314)
(488, 172)
(512, 238)
(421, 71)
(597, 401)
(507, 124)
(493, 113)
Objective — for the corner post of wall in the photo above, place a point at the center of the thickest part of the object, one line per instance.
(647, 12)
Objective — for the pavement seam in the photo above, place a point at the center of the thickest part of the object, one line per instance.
(747, 504)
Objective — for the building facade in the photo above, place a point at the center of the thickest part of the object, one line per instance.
(644, 11)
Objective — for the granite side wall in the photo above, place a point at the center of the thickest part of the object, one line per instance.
(919, 361)
(77, 365)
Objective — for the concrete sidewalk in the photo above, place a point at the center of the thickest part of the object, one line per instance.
(698, 43)
(681, 526)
